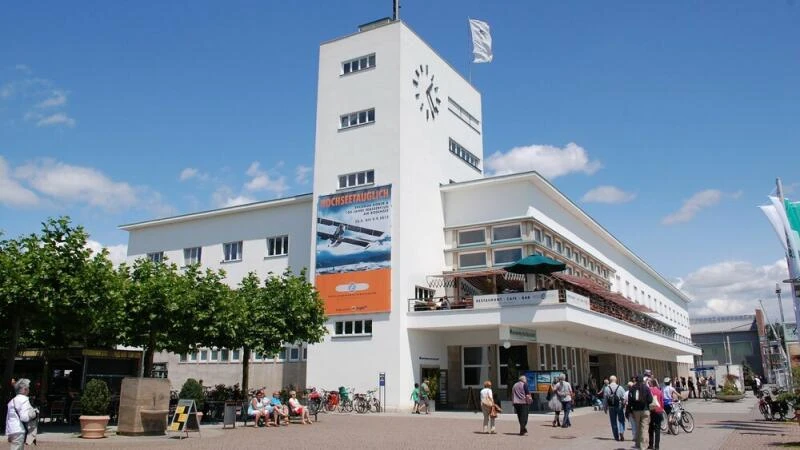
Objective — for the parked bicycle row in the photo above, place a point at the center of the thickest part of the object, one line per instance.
(342, 400)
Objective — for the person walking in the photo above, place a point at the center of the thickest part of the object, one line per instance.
(18, 414)
(415, 399)
(656, 416)
(488, 407)
(639, 399)
(565, 393)
(521, 398)
(554, 404)
(614, 404)
(691, 388)
(424, 395)
(628, 411)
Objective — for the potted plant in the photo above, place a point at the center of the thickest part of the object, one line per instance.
(94, 406)
(730, 392)
(193, 390)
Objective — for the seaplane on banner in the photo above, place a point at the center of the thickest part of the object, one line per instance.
(338, 237)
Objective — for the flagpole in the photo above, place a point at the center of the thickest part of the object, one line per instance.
(469, 58)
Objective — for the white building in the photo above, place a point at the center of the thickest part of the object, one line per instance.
(401, 212)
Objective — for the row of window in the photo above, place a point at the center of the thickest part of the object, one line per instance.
(501, 257)
(232, 251)
(357, 118)
(463, 114)
(672, 314)
(475, 362)
(224, 355)
(365, 177)
(352, 328)
(500, 233)
(358, 64)
(579, 258)
(465, 155)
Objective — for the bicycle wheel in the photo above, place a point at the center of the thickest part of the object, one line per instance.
(347, 406)
(687, 422)
(764, 408)
(664, 426)
(361, 406)
(672, 425)
(377, 405)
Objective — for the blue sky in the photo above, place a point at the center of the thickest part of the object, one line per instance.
(687, 109)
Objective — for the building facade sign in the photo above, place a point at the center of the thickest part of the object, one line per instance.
(354, 251)
(515, 299)
(508, 333)
(790, 332)
(577, 300)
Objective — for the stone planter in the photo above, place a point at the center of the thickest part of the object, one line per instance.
(93, 427)
(730, 397)
(154, 421)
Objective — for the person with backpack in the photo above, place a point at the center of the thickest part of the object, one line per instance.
(639, 400)
(614, 403)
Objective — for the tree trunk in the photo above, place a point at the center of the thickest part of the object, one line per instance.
(148, 357)
(245, 370)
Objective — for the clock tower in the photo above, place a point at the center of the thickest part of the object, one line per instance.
(394, 122)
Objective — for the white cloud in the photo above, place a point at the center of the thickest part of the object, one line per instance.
(549, 161)
(239, 200)
(734, 287)
(116, 253)
(63, 182)
(11, 192)
(692, 206)
(302, 173)
(608, 194)
(190, 172)
(56, 119)
(224, 197)
(57, 98)
(23, 68)
(262, 181)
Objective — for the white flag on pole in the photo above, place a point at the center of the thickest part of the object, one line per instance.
(481, 41)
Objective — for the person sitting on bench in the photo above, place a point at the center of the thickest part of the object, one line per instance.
(278, 409)
(258, 408)
(298, 409)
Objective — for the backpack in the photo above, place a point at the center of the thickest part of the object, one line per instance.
(640, 397)
(613, 399)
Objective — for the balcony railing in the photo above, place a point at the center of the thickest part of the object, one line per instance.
(536, 298)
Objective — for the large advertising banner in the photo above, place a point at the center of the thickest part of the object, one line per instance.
(354, 251)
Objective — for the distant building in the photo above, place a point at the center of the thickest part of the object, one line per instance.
(711, 334)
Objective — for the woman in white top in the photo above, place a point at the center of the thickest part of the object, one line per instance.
(19, 413)
(259, 408)
(487, 406)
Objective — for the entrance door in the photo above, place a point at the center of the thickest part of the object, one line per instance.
(432, 375)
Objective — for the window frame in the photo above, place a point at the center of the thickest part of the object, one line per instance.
(342, 331)
(156, 257)
(514, 239)
(343, 180)
(483, 366)
(188, 256)
(471, 244)
(460, 266)
(497, 250)
(239, 249)
(369, 119)
(464, 115)
(271, 245)
(464, 155)
(371, 64)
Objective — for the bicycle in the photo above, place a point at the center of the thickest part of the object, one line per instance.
(345, 402)
(367, 402)
(707, 394)
(679, 417)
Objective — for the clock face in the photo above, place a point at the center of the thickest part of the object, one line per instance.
(426, 92)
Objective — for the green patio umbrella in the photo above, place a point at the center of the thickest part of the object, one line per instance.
(536, 264)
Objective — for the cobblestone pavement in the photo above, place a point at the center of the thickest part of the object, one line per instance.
(718, 425)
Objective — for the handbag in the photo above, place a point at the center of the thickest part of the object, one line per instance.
(487, 402)
(654, 404)
(495, 411)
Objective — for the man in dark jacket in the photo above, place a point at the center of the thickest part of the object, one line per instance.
(639, 399)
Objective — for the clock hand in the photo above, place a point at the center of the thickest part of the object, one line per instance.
(430, 102)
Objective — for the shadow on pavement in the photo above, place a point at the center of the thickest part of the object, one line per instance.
(741, 425)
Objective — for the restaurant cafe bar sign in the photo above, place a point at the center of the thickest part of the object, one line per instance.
(515, 299)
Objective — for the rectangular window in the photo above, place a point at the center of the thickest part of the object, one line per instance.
(232, 251)
(548, 241)
(214, 354)
(553, 358)
(472, 237)
(516, 355)
(358, 64)
(277, 246)
(204, 355)
(506, 233)
(465, 155)
(542, 358)
(475, 365)
(236, 355)
(294, 354)
(537, 235)
(365, 177)
(191, 256)
(564, 358)
(507, 256)
(353, 328)
(193, 356)
(156, 257)
(224, 355)
(421, 292)
(463, 114)
(281, 354)
(356, 119)
(559, 248)
(568, 252)
(472, 260)
(305, 353)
